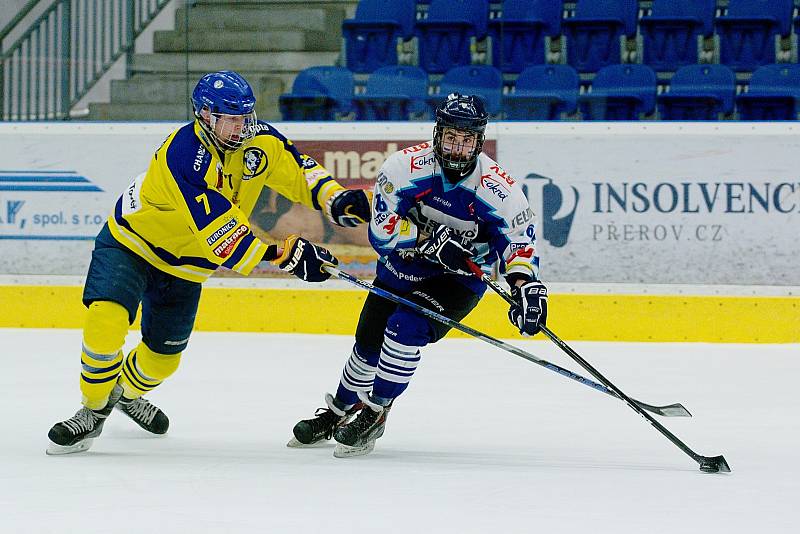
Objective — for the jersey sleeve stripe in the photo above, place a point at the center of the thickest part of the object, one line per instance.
(239, 251)
(159, 252)
(252, 258)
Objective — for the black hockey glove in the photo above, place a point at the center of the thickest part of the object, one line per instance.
(529, 313)
(304, 259)
(350, 207)
(446, 249)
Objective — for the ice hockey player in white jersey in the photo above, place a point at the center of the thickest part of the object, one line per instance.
(435, 206)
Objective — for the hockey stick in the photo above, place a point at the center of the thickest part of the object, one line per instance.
(667, 411)
(708, 464)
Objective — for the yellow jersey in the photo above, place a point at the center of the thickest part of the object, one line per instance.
(188, 214)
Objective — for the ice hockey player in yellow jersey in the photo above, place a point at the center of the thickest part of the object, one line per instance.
(170, 230)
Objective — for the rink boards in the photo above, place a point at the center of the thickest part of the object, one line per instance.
(640, 314)
(647, 231)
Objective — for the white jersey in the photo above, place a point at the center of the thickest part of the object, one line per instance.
(488, 208)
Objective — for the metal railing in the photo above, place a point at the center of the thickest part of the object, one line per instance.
(63, 53)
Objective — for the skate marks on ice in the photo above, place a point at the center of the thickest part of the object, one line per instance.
(480, 442)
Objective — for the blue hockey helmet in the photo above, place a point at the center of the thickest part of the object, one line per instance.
(465, 113)
(226, 96)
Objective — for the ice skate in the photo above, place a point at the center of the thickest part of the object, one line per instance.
(358, 437)
(145, 414)
(77, 433)
(322, 426)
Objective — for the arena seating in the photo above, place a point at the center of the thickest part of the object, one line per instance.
(594, 33)
(537, 59)
(371, 37)
(543, 92)
(518, 36)
(393, 93)
(670, 34)
(482, 80)
(773, 94)
(446, 35)
(699, 92)
(620, 92)
(747, 33)
(319, 94)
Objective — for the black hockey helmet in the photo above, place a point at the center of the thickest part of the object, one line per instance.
(461, 112)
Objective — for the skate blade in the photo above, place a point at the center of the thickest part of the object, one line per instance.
(346, 451)
(54, 449)
(294, 444)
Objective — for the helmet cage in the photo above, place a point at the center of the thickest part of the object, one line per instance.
(227, 131)
(452, 160)
(464, 114)
(218, 100)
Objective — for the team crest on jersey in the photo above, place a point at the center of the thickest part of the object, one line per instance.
(255, 162)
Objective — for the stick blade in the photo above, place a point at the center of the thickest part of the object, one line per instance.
(714, 464)
(670, 410)
(675, 410)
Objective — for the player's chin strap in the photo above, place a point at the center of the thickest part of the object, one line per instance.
(672, 410)
(707, 464)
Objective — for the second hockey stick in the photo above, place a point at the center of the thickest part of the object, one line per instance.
(708, 464)
(672, 410)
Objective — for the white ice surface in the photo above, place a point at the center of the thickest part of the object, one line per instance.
(482, 442)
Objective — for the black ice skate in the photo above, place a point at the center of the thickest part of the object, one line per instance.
(144, 414)
(358, 437)
(77, 433)
(322, 426)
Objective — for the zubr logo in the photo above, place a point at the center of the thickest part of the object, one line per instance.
(555, 213)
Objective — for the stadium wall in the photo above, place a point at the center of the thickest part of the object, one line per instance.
(647, 231)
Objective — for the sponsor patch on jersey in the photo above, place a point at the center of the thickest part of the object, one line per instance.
(519, 250)
(308, 161)
(380, 218)
(131, 200)
(494, 186)
(391, 224)
(416, 148)
(503, 175)
(420, 162)
(197, 164)
(388, 187)
(255, 162)
(221, 231)
(522, 218)
(227, 245)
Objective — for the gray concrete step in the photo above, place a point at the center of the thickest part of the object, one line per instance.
(294, 3)
(266, 109)
(245, 41)
(156, 89)
(139, 112)
(266, 62)
(260, 18)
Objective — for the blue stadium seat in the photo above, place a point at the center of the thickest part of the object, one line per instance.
(620, 92)
(593, 34)
(482, 80)
(543, 92)
(393, 94)
(671, 32)
(698, 92)
(518, 37)
(747, 33)
(445, 36)
(773, 94)
(318, 94)
(371, 37)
